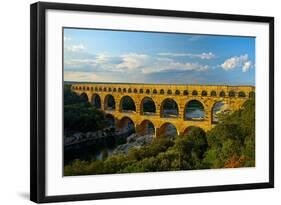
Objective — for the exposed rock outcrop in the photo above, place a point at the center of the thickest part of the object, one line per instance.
(134, 140)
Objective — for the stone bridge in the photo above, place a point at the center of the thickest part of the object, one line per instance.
(109, 97)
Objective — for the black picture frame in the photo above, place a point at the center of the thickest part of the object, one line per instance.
(38, 100)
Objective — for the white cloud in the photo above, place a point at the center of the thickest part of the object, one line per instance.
(247, 65)
(166, 65)
(102, 58)
(203, 55)
(209, 55)
(132, 61)
(80, 76)
(67, 38)
(79, 62)
(147, 64)
(75, 48)
(98, 63)
(237, 62)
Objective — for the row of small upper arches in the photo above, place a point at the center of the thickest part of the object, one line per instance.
(231, 93)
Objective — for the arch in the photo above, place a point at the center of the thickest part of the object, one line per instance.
(126, 125)
(135, 90)
(194, 110)
(222, 94)
(96, 101)
(84, 97)
(169, 108)
(127, 104)
(219, 108)
(80, 88)
(177, 92)
(141, 90)
(162, 92)
(129, 90)
(110, 120)
(109, 89)
(119, 90)
(109, 102)
(191, 129)
(154, 91)
(104, 89)
(96, 89)
(252, 94)
(213, 93)
(114, 89)
(194, 93)
(92, 89)
(148, 106)
(146, 127)
(169, 92)
(204, 93)
(100, 89)
(241, 94)
(185, 92)
(167, 130)
(147, 91)
(231, 93)
(124, 90)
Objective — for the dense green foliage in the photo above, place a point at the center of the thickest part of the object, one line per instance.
(70, 98)
(79, 115)
(231, 143)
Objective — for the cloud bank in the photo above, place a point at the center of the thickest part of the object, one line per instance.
(132, 63)
(203, 55)
(237, 62)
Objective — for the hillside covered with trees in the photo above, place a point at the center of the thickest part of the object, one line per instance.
(80, 115)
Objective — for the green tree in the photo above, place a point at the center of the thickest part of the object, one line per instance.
(232, 142)
(79, 115)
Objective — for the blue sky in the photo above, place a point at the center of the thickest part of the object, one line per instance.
(92, 55)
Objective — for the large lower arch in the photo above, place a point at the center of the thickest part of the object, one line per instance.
(194, 110)
(126, 126)
(96, 101)
(146, 127)
(147, 106)
(127, 104)
(109, 102)
(84, 97)
(218, 109)
(167, 130)
(110, 120)
(194, 130)
(169, 109)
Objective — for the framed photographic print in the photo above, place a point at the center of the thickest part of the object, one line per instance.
(129, 102)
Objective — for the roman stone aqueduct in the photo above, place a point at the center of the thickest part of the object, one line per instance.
(180, 95)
